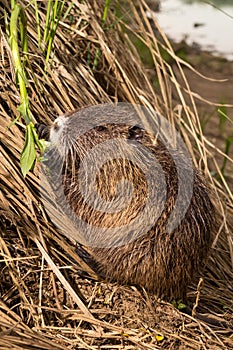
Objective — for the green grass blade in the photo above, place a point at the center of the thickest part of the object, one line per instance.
(28, 155)
(106, 7)
(23, 31)
(37, 23)
(47, 22)
(19, 69)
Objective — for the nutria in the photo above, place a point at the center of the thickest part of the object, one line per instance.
(163, 261)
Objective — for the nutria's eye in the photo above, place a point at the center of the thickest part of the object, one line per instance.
(101, 128)
(136, 133)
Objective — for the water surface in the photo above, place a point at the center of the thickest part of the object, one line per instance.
(200, 23)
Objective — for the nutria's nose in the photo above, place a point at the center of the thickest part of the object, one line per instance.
(42, 131)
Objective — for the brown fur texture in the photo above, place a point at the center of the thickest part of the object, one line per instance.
(162, 262)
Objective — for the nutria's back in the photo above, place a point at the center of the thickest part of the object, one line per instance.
(157, 250)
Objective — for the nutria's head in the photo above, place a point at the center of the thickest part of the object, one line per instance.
(133, 196)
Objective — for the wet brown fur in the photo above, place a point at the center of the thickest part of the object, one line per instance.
(164, 263)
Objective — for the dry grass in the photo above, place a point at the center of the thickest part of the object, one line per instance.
(45, 303)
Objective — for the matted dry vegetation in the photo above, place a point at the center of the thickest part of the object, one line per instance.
(45, 302)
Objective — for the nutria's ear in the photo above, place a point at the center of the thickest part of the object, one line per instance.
(42, 131)
(136, 133)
